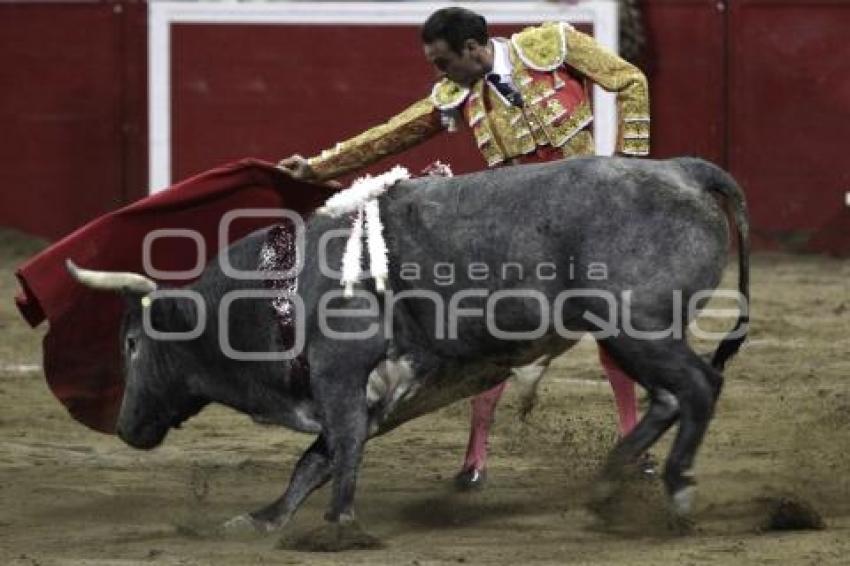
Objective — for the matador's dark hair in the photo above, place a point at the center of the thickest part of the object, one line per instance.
(454, 26)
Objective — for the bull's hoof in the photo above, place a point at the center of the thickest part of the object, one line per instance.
(682, 501)
(603, 497)
(680, 525)
(245, 526)
(333, 537)
(470, 479)
(679, 510)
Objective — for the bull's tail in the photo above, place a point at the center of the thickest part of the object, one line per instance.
(717, 181)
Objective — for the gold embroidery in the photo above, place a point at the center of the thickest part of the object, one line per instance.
(542, 48)
(579, 145)
(532, 93)
(635, 147)
(512, 131)
(615, 75)
(447, 95)
(487, 146)
(555, 111)
(565, 129)
(482, 128)
(636, 130)
(412, 126)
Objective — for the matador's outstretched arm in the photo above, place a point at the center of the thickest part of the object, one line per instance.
(412, 126)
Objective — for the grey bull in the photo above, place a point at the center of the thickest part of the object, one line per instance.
(490, 272)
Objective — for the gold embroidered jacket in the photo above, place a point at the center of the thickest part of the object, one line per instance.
(557, 112)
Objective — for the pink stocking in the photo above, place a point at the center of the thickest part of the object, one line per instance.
(483, 409)
(624, 392)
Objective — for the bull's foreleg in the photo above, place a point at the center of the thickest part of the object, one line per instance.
(345, 423)
(340, 392)
(311, 472)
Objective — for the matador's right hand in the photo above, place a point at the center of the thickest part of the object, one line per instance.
(297, 167)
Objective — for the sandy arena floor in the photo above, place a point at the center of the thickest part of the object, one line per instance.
(71, 496)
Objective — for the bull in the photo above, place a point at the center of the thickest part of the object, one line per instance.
(652, 231)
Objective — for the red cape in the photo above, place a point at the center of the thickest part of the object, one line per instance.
(82, 358)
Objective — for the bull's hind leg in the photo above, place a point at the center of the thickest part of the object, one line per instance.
(697, 398)
(659, 417)
(681, 385)
(311, 472)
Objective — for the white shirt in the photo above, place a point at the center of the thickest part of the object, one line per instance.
(501, 66)
(502, 60)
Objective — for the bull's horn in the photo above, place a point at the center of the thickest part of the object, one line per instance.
(111, 280)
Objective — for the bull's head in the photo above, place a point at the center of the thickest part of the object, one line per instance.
(157, 390)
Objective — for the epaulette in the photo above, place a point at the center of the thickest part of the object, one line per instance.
(448, 95)
(544, 47)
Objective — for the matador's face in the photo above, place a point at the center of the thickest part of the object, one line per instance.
(465, 68)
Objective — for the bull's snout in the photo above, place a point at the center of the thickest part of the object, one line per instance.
(142, 438)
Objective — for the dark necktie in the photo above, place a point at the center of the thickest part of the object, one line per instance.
(511, 94)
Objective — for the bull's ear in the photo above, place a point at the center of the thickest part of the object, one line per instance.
(167, 314)
(160, 310)
(184, 313)
(173, 314)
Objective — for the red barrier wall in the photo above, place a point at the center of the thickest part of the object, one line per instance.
(760, 86)
(71, 117)
(789, 116)
(684, 64)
